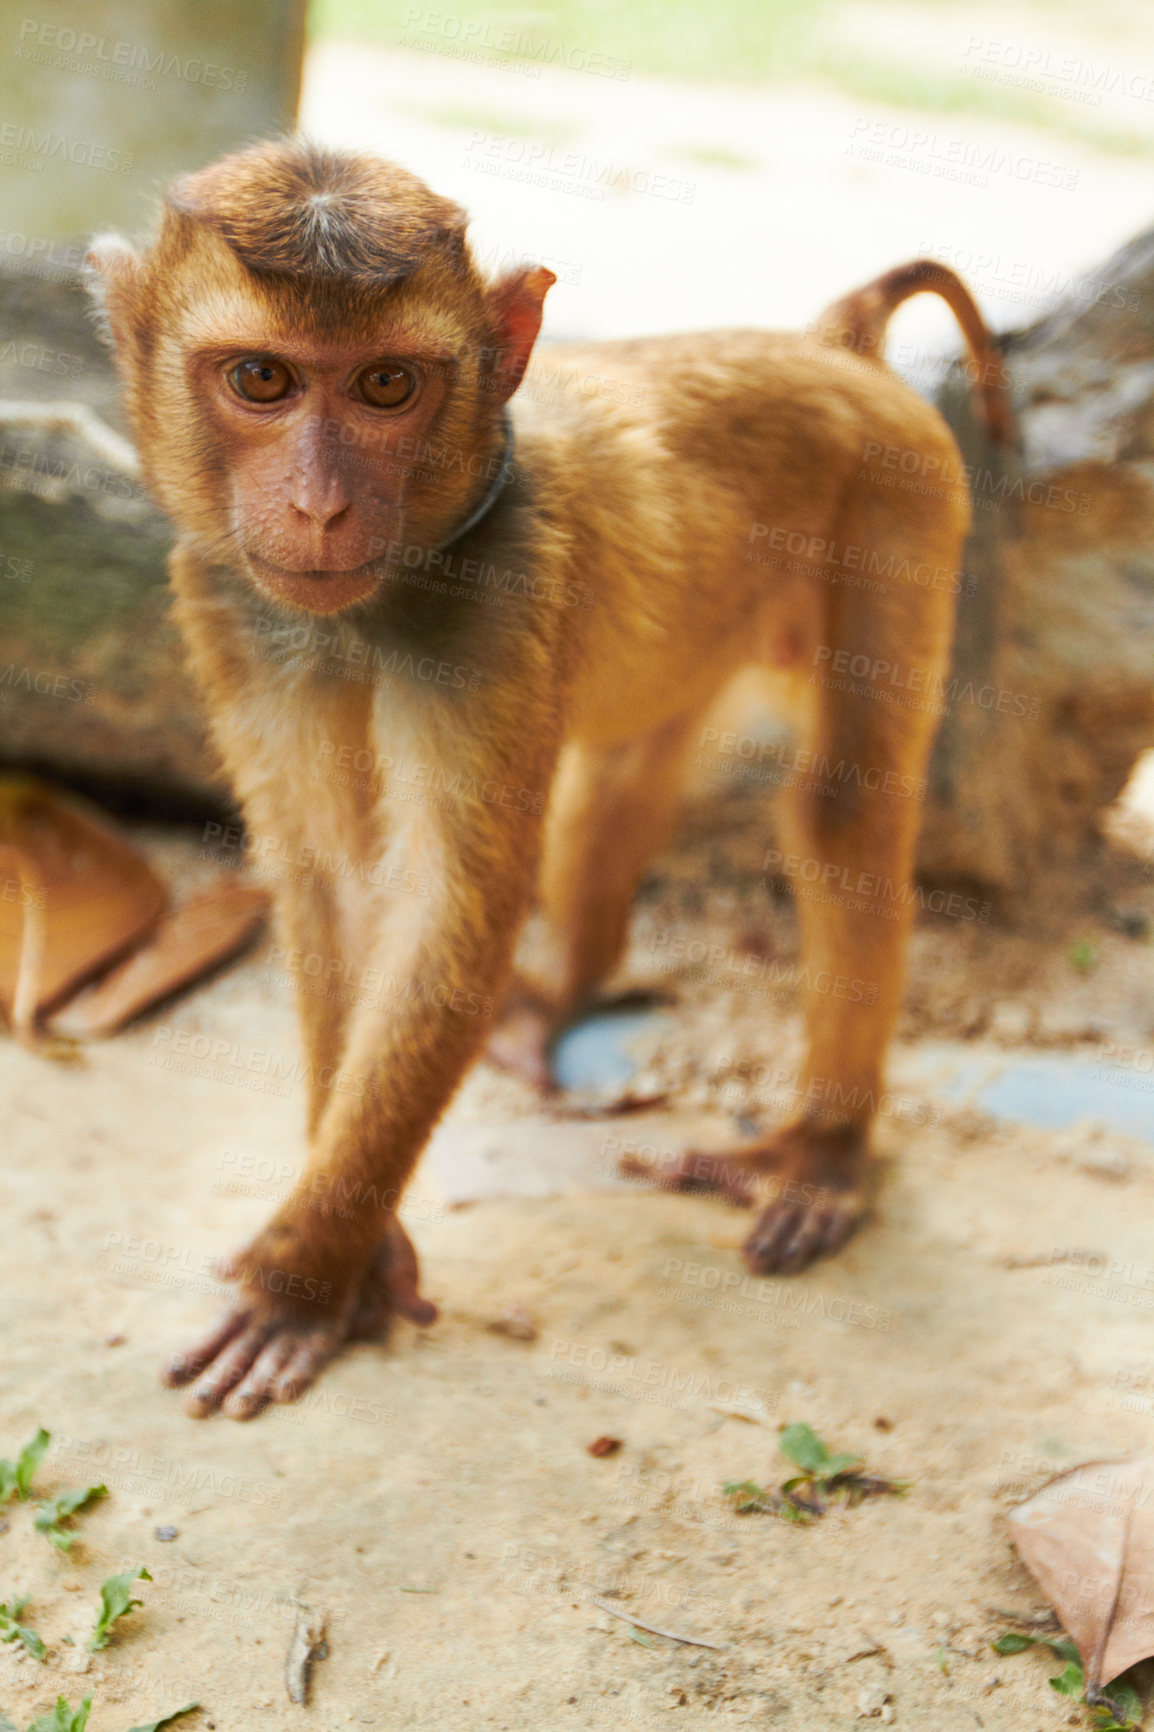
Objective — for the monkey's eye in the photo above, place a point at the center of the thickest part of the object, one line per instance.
(387, 385)
(261, 379)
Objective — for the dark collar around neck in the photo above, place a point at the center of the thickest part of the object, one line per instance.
(496, 488)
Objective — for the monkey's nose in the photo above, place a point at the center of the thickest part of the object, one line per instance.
(321, 503)
(322, 516)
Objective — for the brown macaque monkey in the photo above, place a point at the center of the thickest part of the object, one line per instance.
(368, 573)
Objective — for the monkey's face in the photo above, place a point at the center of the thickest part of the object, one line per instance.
(336, 452)
(310, 434)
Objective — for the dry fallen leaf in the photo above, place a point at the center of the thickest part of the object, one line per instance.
(1087, 1538)
(73, 895)
(185, 944)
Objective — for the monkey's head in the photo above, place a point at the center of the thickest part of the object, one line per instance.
(314, 367)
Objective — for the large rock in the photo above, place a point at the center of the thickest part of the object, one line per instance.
(1052, 691)
(92, 676)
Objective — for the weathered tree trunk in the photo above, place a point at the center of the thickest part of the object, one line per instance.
(104, 101)
(1051, 696)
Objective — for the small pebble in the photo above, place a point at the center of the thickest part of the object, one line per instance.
(516, 1322)
(165, 1533)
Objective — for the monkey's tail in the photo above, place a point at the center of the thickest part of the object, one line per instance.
(859, 323)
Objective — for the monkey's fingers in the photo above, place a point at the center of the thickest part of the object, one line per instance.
(228, 1369)
(391, 1288)
(183, 1367)
(309, 1358)
(254, 1391)
(788, 1236)
(403, 1278)
(724, 1175)
(275, 1359)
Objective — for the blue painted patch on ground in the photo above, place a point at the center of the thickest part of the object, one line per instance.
(593, 1055)
(1052, 1090)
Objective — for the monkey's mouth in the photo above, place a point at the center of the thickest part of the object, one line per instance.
(317, 592)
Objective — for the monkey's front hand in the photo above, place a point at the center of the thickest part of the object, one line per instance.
(272, 1344)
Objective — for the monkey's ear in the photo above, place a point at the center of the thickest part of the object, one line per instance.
(112, 273)
(517, 302)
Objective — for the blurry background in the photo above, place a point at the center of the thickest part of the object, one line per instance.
(803, 147)
(686, 164)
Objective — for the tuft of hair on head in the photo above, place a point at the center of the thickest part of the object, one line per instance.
(289, 208)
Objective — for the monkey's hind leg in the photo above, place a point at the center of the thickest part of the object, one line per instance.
(850, 854)
(611, 808)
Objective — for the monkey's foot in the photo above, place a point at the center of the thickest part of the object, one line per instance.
(267, 1348)
(816, 1184)
(520, 1042)
(813, 1179)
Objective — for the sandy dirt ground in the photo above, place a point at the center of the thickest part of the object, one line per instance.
(434, 1497)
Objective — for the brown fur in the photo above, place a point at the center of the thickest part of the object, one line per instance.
(624, 552)
(326, 215)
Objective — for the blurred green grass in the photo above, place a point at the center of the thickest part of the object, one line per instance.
(747, 41)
